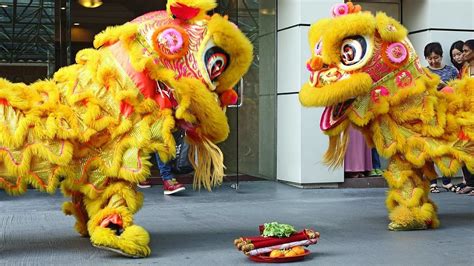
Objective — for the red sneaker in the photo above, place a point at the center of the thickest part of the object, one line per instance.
(172, 186)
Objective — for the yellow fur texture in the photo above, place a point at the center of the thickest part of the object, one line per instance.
(90, 129)
(365, 72)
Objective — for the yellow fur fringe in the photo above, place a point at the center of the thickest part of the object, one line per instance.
(334, 156)
(208, 162)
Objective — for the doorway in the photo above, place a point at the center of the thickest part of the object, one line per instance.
(250, 151)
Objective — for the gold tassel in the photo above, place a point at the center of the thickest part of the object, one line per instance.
(334, 156)
(208, 163)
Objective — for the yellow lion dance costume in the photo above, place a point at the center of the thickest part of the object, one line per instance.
(367, 74)
(90, 129)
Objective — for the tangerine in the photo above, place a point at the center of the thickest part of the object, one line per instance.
(299, 250)
(276, 253)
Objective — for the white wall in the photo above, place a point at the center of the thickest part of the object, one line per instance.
(294, 12)
(300, 142)
(443, 21)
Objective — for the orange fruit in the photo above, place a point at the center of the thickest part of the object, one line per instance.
(276, 253)
(290, 253)
(299, 250)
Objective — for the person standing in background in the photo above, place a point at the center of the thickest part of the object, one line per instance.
(455, 52)
(468, 56)
(358, 157)
(434, 56)
(468, 71)
(457, 60)
(377, 167)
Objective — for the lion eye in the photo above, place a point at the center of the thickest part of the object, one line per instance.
(353, 50)
(216, 61)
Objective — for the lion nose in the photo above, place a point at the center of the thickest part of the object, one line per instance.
(315, 63)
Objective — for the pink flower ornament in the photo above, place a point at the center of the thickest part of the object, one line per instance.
(397, 52)
(340, 10)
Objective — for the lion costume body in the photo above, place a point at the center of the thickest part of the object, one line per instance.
(90, 129)
(366, 73)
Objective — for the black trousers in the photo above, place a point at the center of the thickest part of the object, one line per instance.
(468, 176)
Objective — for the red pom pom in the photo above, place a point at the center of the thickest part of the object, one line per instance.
(229, 97)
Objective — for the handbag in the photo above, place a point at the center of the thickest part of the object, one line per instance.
(181, 164)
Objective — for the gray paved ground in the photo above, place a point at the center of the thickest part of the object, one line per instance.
(198, 228)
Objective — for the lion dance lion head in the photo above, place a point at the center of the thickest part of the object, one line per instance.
(188, 62)
(357, 59)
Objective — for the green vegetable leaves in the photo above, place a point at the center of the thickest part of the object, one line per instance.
(278, 230)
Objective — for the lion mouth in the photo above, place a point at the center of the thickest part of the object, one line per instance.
(334, 115)
(326, 77)
(336, 90)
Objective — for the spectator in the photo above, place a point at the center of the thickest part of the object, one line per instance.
(455, 52)
(434, 55)
(377, 171)
(170, 184)
(358, 158)
(469, 185)
(468, 71)
(457, 60)
(468, 56)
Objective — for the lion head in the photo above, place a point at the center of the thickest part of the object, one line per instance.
(186, 61)
(356, 58)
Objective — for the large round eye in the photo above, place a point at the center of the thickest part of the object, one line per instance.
(216, 61)
(354, 51)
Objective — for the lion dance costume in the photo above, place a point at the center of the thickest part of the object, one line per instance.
(364, 70)
(90, 129)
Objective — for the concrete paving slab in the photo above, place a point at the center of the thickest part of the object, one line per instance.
(198, 228)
